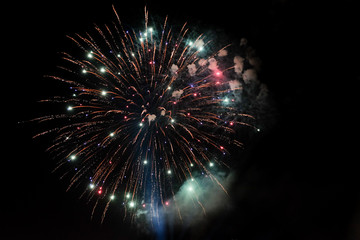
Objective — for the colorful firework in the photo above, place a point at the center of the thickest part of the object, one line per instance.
(146, 110)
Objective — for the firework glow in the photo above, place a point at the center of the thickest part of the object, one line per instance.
(147, 110)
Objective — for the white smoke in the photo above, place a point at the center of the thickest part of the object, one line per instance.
(223, 53)
(192, 69)
(196, 199)
(235, 85)
(249, 75)
(151, 117)
(198, 44)
(239, 64)
(200, 196)
(213, 64)
(177, 94)
(202, 62)
(174, 68)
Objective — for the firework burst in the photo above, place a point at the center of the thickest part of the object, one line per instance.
(147, 109)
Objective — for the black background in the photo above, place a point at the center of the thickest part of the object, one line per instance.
(300, 178)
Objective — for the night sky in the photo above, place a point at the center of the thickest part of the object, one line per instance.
(297, 181)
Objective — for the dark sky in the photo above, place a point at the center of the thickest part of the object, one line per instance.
(301, 182)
